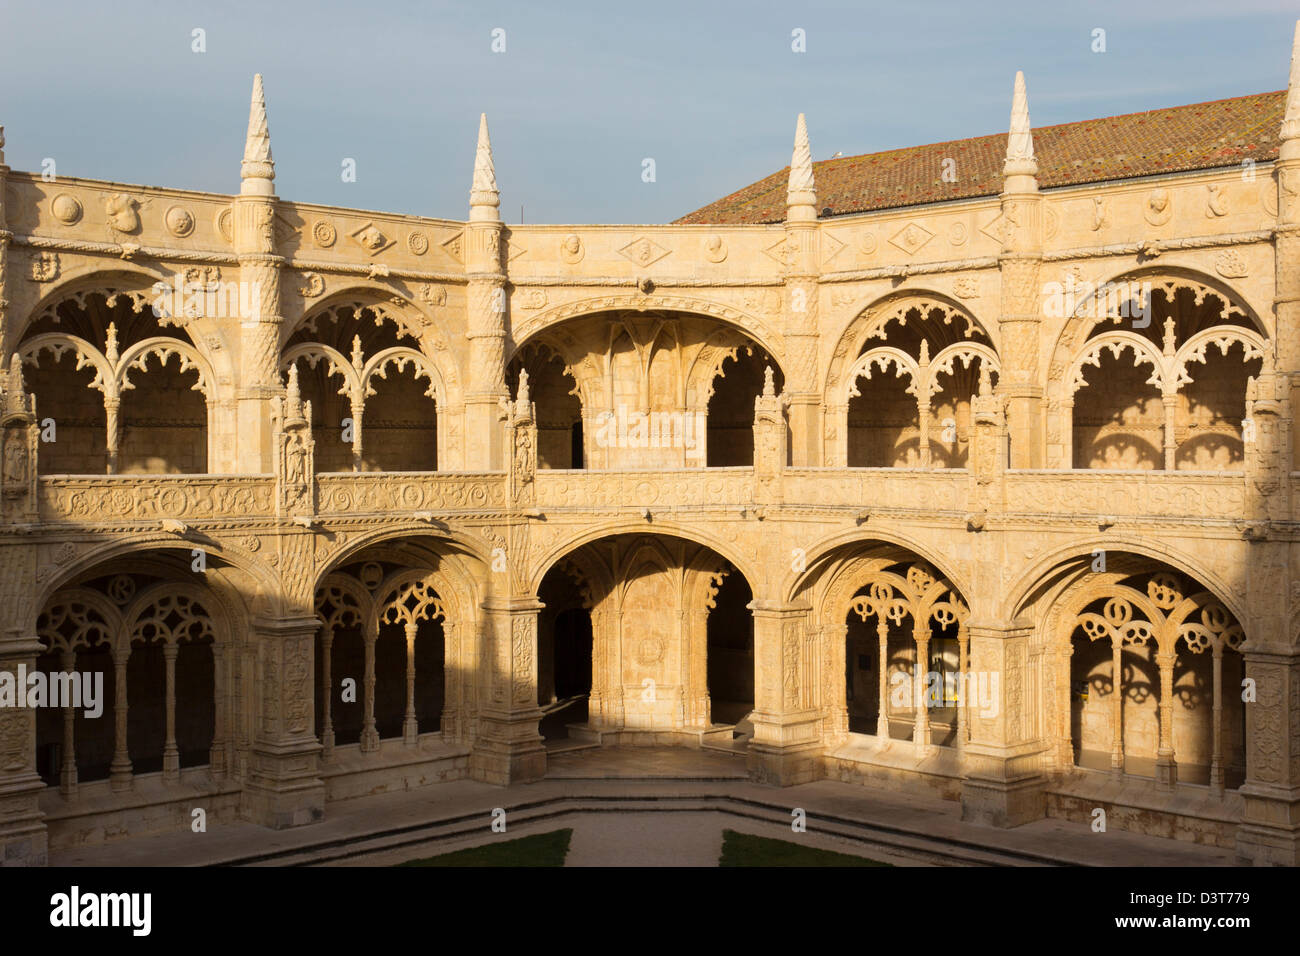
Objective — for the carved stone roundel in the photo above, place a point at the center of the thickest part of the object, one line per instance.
(66, 209)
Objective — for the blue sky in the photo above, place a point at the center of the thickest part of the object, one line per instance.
(584, 91)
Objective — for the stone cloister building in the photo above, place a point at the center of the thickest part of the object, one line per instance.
(973, 477)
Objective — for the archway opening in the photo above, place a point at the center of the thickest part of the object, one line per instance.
(1153, 676)
(729, 437)
(390, 670)
(883, 424)
(730, 636)
(372, 388)
(564, 651)
(554, 394)
(164, 421)
(141, 646)
(669, 627)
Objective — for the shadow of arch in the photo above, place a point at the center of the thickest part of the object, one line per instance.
(1127, 452)
(1217, 447)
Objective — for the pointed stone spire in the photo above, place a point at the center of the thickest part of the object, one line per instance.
(293, 396)
(801, 194)
(258, 169)
(986, 380)
(484, 199)
(769, 382)
(2, 145)
(521, 394)
(1291, 119)
(15, 389)
(925, 351)
(1020, 143)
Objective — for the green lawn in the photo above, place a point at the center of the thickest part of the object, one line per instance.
(741, 849)
(544, 849)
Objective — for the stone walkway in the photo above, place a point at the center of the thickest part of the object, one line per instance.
(626, 807)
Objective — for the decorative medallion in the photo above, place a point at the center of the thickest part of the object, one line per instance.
(314, 287)
(911, 238)
(1159, 208)
(323, 233)
(226, 225)
(1051, 221)
(1231, 264)
(123, 212)
(650, 650)
(179, 221)
(571, 249)
(831, 247)
(958, 233)
(533, 299)
(715, 250)
(45, 267)
(867, 242)
(66, 209)
(643, 251)
(418, 243)
(370, 238)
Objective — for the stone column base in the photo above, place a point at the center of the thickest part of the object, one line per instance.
(506, 762)
(784, 766)
(283, 789)
(1003, 803)
(23, 837)
(1269, 834)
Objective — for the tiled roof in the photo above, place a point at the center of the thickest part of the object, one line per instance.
(1177, 139)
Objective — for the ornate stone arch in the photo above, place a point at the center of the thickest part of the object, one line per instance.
(823, 553)
(1116, 343)
(132, 282)
(140, 286)
(548, 556)
(74, 607)
(179, 599)
(1094, 309)
(141, 545)
(1033, 585)
(137, 356)
(761, 331)
(874, 319)
(434, 339)
(377, 367)
(410, 596)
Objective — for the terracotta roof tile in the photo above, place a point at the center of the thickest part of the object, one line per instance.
(1176, 139)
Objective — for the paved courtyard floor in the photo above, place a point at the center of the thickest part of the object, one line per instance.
(646, 807)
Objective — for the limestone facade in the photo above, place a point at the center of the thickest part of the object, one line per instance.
(340, 501)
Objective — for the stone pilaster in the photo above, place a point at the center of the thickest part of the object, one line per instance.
(508, 748)
(23, 840)
(1003, 760)
(488, 314)
(787, 745)
(5, 238)
(800, 312)
(283, 788)
(1019, 316)
(1286, 301)
(259, 275)
(1269, 834)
